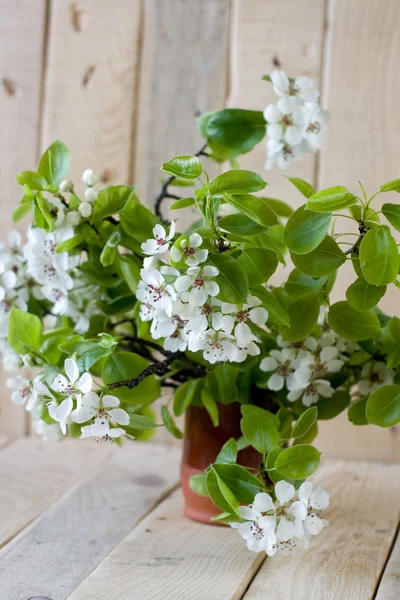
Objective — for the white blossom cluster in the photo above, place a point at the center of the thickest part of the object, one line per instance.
(182, 304)
(73, 402)
(285, 524)
(295, 122)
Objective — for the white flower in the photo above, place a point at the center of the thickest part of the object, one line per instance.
(85, 208)
(249, 349)
(24, 393)
(286, 121)
(239, 317)
(312, 392)
(373, 376)
(154, 290)
(174, 329)
(189, 249)
(285, 515)
(327, 363)
(216, 346)
(197, 285)
(72, 384)
(47, 431)
(61, 413)
(314, 119)
(91, 194)
(302, 87)
(89, 177)
(314, 501)
(280, 361)
(58, 210)
(160, 244)
(74, 218)
(66, 185)
(257, 530)
(282, 153)
(104, 413)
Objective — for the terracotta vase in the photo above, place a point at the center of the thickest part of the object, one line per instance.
(202, 443)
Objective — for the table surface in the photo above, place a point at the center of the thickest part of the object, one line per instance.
(89, 521)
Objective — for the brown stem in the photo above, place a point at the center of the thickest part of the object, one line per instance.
(158, 368)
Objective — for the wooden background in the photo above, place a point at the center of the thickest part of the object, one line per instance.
(120, 83)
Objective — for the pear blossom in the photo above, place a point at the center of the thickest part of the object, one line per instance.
(282, 154)
(66, 186)
(61, 413)
(238, 317)
(285, 121)
(197, 285)
(154, 290)
(24, 393)
(173, 328)
(91, 194)
(282, 362)
(48, 431)
(311, 393)
(257, 530)
(89, 177)
(160, 243)
(285, 514)
(315, 502)
(85, 208)
(72, 385)
(314, 119)
(302, 88)
(216, 346)
(373, 376)
(190, 248)
(104, 412)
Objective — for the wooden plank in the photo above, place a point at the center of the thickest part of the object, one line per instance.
(82, 528)
(346, 559)
(184, 73)
(267, 36)
(389, 587)
(22, 30)
(361, 144)
(168, 556)
(3, 440)
(90, 84)
(35, 474)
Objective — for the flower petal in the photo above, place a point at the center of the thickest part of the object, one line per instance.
(263, 502)
(71, 369)
(284, 491)
(85, 383)
(119, 415)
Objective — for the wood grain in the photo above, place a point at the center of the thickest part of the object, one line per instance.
(22, 30)
(184, 72)
(91, 84)
(344, 562)
(167, 556)
(33, 474)
(389, 586)
(61, 549)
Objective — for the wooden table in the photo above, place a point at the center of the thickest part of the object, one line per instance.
(89, 521)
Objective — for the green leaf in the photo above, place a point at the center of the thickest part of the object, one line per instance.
(199, 485)
(305, 230)
(23, 209)
(55, 162)
(35, 181)
(217, 495)
(243, 485)
(141, 422)
(391, 186)
(130, 266)
(379, 257)
(182, 203)
(262, 432)
(259, 264)
(185, 167)
(110, 201)
(356, 412)
(184, 395)
(394, 329)
(210, 405)
(325, 259)
(127, 365)
(333, 198)
(237, 181)
(276, 312)
(362, 296)
(137, 220)
(240, 225)
(279, 207)
(304, 187)
(383, 406)
(303, 314)
(170, 423)
(221, 381)
(234, 128)
(232, 279)
(24, 329)
(299, 283)
(298, 462)
(305, 422)
(328, 408)
(352, 324)
(228, 453)
(254, 207)
(392, 213)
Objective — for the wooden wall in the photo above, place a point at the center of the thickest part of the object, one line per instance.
(121, 82)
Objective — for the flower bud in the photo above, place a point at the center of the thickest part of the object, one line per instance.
(66, 186)
(89, 177)
(91, 194)
(85, 208)
(28, 361)
(73, 218)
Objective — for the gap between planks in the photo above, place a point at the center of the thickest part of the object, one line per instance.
(86, 524)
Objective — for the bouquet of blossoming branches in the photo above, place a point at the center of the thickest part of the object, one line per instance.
(106, 302)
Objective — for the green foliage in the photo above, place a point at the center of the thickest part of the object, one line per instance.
(303, 314)
(325, 259)
(259, 427)
(232, 279)
(24, 331)
(183, 396)
(254, 207)
(330, 199)
(363, 296)
(298, 462)
(185, 167)
(236, 182)
(305, 230)
(353, 324)
(111, 200)
(304, 188)
(392, 214)
(259, 264)
(121, 366)
(383, 406)
(379, 257)
(54, 164)
(305, 422)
